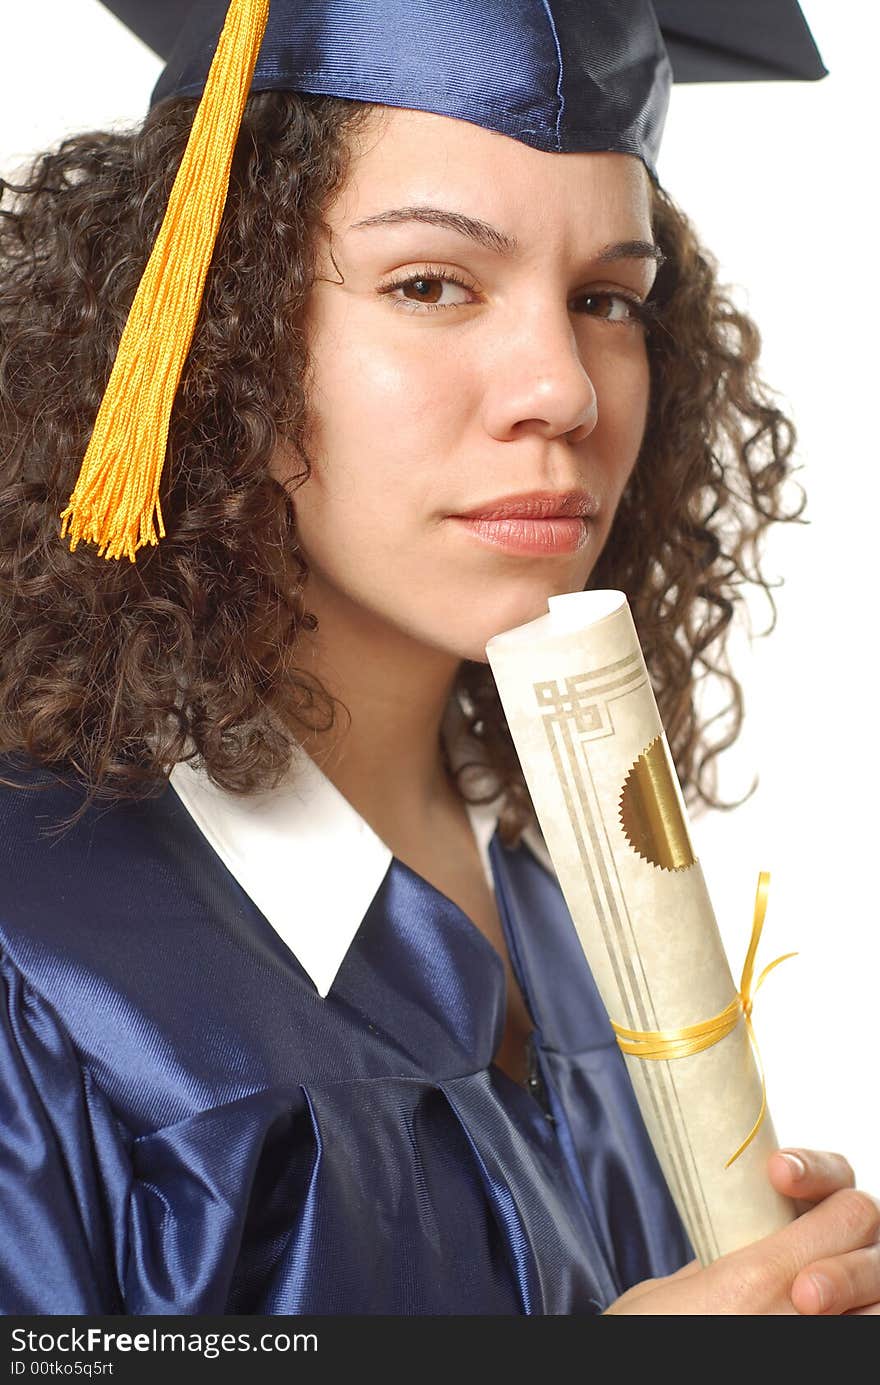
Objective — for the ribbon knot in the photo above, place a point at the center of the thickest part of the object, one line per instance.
(662, 1044)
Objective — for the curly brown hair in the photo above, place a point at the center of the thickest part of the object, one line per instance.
(112, 672)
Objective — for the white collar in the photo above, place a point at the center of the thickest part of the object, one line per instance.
(306, 857)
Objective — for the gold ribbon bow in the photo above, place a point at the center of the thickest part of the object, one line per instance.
(662, 1044)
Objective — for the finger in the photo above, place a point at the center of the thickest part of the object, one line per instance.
(809, 1174)
(839, 1285)
(845, 1221)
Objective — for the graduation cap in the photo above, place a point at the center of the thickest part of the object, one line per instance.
(707, 40)
(560, 75)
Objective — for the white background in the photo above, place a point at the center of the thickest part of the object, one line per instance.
(780, 179)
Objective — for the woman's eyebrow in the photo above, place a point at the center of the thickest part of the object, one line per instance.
(631, 250)
(494, 239)
(480, 231)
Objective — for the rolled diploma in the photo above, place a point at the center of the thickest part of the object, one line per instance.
(585, 725)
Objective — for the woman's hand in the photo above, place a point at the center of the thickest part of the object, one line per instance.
(825, 1262)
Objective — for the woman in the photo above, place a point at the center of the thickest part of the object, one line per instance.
(276, 1039)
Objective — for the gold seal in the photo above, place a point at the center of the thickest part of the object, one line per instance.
(652, 812)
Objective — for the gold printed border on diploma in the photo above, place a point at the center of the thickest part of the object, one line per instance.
(651, 812)
(575, 711)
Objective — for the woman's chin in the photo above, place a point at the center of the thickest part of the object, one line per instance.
(473, 647)
(511, 614)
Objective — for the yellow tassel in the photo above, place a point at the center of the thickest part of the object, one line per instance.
(115, 502)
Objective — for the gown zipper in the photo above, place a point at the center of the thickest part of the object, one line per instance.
(534, 1080)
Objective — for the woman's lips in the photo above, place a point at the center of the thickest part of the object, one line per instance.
(539, 536)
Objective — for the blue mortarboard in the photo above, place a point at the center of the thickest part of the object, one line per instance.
(560, 75)
(707, 40)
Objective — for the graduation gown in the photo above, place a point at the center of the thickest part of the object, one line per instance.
(190, 1126)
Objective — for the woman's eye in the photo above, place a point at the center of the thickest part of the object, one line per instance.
(432, 290)
(613, 307)
(429, 291)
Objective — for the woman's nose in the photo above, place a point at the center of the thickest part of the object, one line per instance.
(541, 384)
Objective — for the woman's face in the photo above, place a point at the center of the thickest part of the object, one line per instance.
(512, 361)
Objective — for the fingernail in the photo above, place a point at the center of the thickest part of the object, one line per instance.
(795, 1163)
(824, 1290)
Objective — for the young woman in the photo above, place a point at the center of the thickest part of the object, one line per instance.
(295, 1018)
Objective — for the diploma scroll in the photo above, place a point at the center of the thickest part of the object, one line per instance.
(579, 704)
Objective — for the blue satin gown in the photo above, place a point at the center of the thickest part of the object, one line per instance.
(188, 1127)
